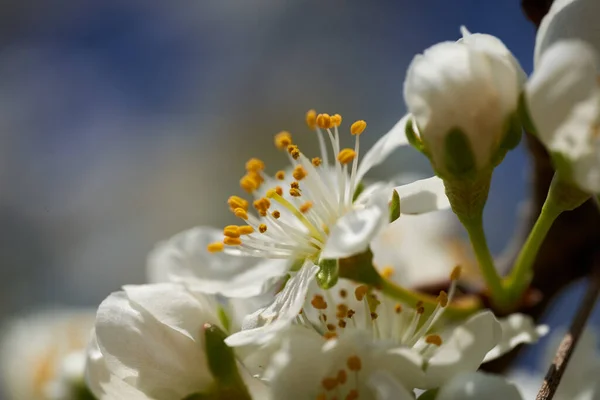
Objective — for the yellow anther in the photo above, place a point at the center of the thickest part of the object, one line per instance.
(278, 190)
(343, 293)
(354, 363)
(420, 310)
(241, 213)
(324, 121)
(331, 327)
(245, 229)
(336, 120)
(215, 247)
(280, 175)
(237, 202)
(283, 139)
(231, 231)
(351, 313)
(358, 127)
(342, 376)
(318, 302)
(387, 272)
(330, 335)
(329, 383)
(295, 185)
(262, 228)
(271, 193)
(255, 165)
(304, 208)
(346, 156)
(455, 274)
(341, 323)
(360, 292)
(342, 311)
(249, 183)
(276, 214)
(299, 173)
(434, 339)
(262, 204)
(295, 192)
(316, 161)
(374, 316)
(443, 299)
(294, 151)
(398, 308)
(352, 395)
(232, 241)
(311, 119)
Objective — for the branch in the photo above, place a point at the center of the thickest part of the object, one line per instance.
(567, 346)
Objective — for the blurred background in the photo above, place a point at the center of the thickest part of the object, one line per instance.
(124, 122)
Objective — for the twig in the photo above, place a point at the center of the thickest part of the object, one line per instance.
(567, 345)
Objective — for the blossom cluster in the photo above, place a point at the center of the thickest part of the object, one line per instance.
(315, 294)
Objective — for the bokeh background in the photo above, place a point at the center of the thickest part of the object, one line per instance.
(124, 122)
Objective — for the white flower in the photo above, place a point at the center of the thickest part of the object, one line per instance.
(150, 344)
(38, 354)
(563, 99)
(470, 86)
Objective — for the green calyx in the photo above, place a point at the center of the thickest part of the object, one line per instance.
(328, 274)
(395, 207)
(458, 158)
(414, 139)
(525, 116)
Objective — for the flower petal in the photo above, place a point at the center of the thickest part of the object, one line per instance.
(465, 350)
(353, 232)
(423, 196)
(261, 326)
(184, 258)
(477, 385)
(389, 142)
(388, 388)
(516, 329)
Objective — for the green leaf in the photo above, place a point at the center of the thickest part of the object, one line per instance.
(395, 207)
(328, 274)
(459, 159)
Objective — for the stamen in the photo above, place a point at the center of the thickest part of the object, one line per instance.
(354, 363)
(299, 173)
(319, 302)
(343, 293)
(280, 175)
(278, 190)
(398, 308)
(346, 156)
(237, 202)
(336, 120)
(329, 383)
(316, 161)
(276, 214)
(282, 140)
(342, 311)
(304, 208)
(434, 339)
(294, 151)
(232, 241)
(215, 247)
(342, 377)
(324, 121)
(245, 229)
(330, 335)
(342, 323)
(387, 272)
(249, 183)
(360, 292)
(262, 228)
(241, 213)
(295, 192)
(255, 165)
(311, 119)
(443, 299)
(455, 274)
(331, 327)
(231, 231)
(358, 127)
(352, 395)
(295, 185)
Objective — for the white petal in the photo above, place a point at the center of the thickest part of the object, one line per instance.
(516, 329)
(423, 196)
(568, 19)
(389, 142)
(465, 350)
(184, 258)
(476, 386)
(261, 326)
(387, 388)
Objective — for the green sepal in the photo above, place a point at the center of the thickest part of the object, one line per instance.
(297, 264)
(413, 139)
(223, 318)
(431, 394)
(459, 159)
(359, 268)
(513, 131)
(328, 274)
(81, 392)
(525, 115)
(359, 189)
(395, 207)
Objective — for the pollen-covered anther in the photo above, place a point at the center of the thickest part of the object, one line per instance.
(330, 335)
(342, 323)
(278, 190)
(342, 310)
(351, 313)
(304, 208)
(358, 127)
(276, 214)
(235, 202)
(231, 231)
(311, 119)
(443, 298)
(342, 376)
(324, 121)
(374, 316)
(455, 274)
(295, 185)
(398, 308)
(387, 272)
(352, 395)
(354, 363)
(294, 151)
(215, 247)
(360, 292)
(262, 228)
(241, 213)
(245, 229)
(345, 156)
(329, 383)
(282, 140)
(249, 183)
(331, 327)
(280, 175)
(255, 165)
(229, 241)
(434, 339)
(316, 161)
(318, 302)
(299, 173)
(295, 192)
(343, 293)
(336, 120)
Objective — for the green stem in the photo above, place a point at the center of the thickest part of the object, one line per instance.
(521, 274)
(493, 281)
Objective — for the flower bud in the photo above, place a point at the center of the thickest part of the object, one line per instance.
(463, 97)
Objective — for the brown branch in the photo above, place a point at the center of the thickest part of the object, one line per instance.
(567, 346)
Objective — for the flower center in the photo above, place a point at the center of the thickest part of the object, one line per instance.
(294, 214)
